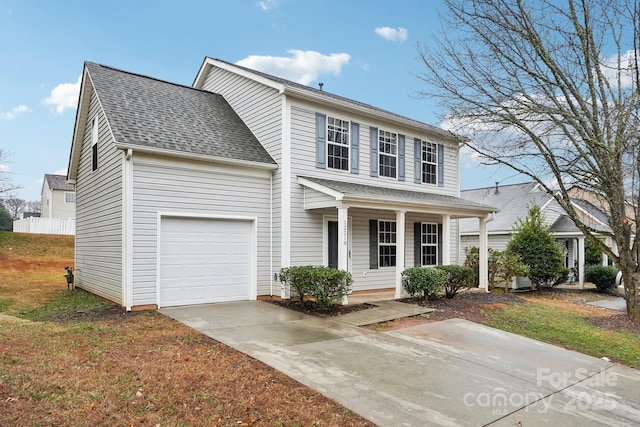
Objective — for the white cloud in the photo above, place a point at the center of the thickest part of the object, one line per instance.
(15, 111)
(4, 168)
(64, 96)
(610, 67)
(304, 67)
(393, 34)
(268, 4)
(60, 172)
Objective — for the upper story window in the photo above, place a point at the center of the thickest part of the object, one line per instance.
(429, 162)
(94, 143)
(388, 153)
(337, 143)
(69, 197)
(429, 244)
(386, 243)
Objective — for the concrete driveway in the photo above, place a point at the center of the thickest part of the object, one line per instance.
(449, 373)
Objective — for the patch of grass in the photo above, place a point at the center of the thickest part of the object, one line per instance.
(36, 245)
(570, 329)
(75, 359)
(66, 303)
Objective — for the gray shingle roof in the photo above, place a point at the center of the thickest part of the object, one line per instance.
(156, 114)
(391, 194)
(58, 182)
(592, 210)
(512, 200)
(564, 224)
(339, 98)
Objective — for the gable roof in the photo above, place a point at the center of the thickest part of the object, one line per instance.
(292, 88)
(58, 182)
(347, 191)
(163, 117)
(511, 200)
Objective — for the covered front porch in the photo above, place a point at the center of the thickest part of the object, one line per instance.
(376, 232)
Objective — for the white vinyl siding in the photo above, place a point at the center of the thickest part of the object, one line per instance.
(193, 188)
(99, 213)
(261, 108)
(303, 156)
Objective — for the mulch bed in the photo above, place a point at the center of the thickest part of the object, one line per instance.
(474, 306)
(309, 307)
(617, 322)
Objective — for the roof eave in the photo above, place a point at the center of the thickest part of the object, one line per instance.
(199, 157)
(79, 126)
(319, 97)
(208, 63)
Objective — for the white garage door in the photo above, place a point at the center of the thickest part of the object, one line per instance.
(204, 261)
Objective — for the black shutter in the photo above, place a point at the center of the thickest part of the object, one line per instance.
(440, 244)
(417, 244)
(373, 244)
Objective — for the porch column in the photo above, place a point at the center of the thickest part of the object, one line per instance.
(581, 262)
(400, 244)
(446, 239)
(343, 242)
(483, 268)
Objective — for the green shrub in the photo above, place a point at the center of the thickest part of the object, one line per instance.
(458, 277)
(325, 285)
(423, 282)
(563, 277)
(472, 260)
(534, 243)
(604, 277)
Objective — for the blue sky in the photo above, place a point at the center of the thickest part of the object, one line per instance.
(360, 49)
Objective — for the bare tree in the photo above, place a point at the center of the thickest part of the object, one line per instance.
(33, 206)
(550, 89)
(15, 206)
(6, 186)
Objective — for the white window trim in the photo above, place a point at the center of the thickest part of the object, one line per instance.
(95, 135)
(380, 244)
(94, 130)
(347, 145)
(381, 153)
(69, 195)
(423, 245)
(423, 162)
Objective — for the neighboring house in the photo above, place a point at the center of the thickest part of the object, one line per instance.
(58, 210)
(191, 195)
(58, 197)
(513, 201)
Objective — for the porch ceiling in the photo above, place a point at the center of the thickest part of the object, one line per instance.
(345, 194)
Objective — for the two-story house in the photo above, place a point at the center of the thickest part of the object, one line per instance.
(58, 197)
(191, 195)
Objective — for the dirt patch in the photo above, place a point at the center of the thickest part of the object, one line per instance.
(616, 322)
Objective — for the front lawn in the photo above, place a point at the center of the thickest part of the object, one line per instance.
(70, 358)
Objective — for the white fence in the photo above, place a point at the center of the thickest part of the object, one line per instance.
(45, 225)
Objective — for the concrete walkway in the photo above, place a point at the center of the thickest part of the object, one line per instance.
(617, 303)
(449, 373)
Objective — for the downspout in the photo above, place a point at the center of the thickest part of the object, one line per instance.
(128, 230)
